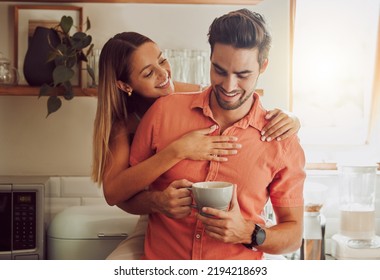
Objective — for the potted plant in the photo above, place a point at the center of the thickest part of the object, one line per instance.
(66, 55)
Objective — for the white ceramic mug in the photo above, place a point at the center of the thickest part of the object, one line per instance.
(215, 195)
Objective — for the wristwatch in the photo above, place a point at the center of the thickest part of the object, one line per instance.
(257, 237)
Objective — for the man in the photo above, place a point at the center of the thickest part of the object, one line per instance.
(239, 54)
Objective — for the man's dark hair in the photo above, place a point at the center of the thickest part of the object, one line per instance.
(241, 29)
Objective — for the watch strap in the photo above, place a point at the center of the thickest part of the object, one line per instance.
(254, 241)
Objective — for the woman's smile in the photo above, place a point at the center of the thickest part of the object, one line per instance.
(165, 84)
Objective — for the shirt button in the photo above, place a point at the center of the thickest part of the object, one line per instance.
(197, 236)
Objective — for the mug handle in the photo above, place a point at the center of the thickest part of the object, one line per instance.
(192, 205)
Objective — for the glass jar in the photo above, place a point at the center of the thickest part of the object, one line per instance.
(8, 74)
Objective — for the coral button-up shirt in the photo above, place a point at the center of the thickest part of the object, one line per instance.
(261, 171)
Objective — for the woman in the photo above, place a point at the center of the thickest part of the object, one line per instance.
(132, 74)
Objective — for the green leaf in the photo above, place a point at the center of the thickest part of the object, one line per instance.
(66, 24)
(79, 35)
(87, 41)
(90, 50)
(62, 49)
(49, 40)
(62, 74)
(91, 73)
(53, 104)
(82, 57)
(69, 93)
(88, 24)
(80, 40)
(45, 90)
(71, 61)
(60, 60)
(51, 56)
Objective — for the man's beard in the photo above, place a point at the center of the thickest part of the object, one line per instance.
(230, 106)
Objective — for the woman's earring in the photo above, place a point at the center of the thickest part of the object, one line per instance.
(129, 92)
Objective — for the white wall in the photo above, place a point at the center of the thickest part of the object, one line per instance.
(60, 145)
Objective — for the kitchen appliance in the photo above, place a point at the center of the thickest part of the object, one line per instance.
(313, 242)
(21, 219)
(357, 238)
(88, 232)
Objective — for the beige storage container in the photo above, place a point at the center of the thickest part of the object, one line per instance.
(88, 232)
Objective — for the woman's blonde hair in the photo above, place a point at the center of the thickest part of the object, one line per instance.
(113, 104)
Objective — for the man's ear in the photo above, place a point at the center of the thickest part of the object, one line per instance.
(264, 66)
(124, 86)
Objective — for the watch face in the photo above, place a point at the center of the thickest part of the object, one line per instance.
(260, 236)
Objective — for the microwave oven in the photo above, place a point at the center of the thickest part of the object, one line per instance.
(21, 220)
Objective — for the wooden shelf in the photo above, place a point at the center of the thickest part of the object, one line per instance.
(35, 91)
(230, 2)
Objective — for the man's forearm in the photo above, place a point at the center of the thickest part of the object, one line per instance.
(286, 235)
(282, 238)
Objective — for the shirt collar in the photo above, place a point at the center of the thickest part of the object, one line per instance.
(255, 117)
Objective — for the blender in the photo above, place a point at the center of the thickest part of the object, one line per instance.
(357, 238)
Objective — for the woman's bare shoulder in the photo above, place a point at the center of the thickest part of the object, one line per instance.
(123, 128)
